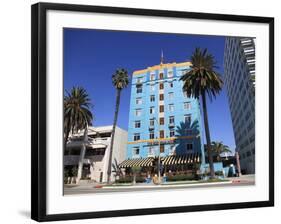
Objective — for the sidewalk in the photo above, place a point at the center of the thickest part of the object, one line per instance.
(168, 184)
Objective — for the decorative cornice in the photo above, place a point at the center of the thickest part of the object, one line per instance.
(162, 66)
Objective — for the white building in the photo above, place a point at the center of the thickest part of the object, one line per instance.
(95, 162)
(239, 79)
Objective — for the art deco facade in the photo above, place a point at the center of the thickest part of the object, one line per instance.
(239, 79)
(162, 120)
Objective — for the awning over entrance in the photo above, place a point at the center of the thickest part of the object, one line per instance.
(166, 161)
(136, 162)
(181, 159)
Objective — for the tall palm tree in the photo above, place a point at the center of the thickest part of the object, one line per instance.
(202, 80)
(77, 116)
(120, 80)
(218, 148)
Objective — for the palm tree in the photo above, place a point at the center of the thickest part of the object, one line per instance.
(120, 80)
(77, 116)
(218, 148)
(202, 80)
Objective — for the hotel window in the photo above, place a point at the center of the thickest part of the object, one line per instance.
(161, 108)
(161, 85)
(161, 121)
(172, 132)
(171, 120)
(152, 98)
(151, 122)
(186, 105)
(162, 148)
(136, 136)
(138, 112)
(171, 84)
(151, 135)
(136, 151)
(171, 107)
(189, 146)
(171, 95)
(161, 134)
(187, 118)
(151, 110)
(139, 80)
(152, 88)
(150, 150)
(137, 124)
(170, 74)
(139, 88)
(161, 97)
(138, 101)
(152, 77)
(161, 75)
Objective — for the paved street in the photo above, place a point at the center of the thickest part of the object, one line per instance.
(89, 189)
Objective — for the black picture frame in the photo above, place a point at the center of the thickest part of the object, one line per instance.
(38, 108)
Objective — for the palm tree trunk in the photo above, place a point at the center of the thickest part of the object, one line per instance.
(82, 154)
(112, 135)
(66, 138)
(208, 139)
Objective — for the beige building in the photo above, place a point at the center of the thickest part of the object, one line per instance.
(96, 157)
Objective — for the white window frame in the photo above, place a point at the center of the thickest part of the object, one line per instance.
(151, 133)
(137, 88)
(172, 130)
(138, 114)
(171, 107)
(169, 74)
(151, 120)
(136, 134)
(135, 150)
(152, 98)
(138, 101)
(187, 105)
(152, 110)
(137, 122)
(171, 117)
(186, 116)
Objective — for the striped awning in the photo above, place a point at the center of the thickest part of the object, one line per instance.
(181, 159)
(136, 162)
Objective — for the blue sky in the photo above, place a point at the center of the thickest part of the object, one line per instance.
(92, 56)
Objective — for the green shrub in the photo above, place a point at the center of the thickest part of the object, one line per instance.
(219, 173)
(182, 177)
(140, 179)
(129, 179)
(126, 179)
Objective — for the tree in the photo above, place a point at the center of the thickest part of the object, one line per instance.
(199, 81)
(218, 148)
(77, 117)
(120, 80)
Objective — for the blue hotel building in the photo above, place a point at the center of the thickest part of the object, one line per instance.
(163, 121)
